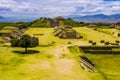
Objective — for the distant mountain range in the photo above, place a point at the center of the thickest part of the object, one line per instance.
(97, 18)
(15, 19)
(88, 18)
(2, 18)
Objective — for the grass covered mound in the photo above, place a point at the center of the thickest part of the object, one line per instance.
(56, 62)
(53, 22)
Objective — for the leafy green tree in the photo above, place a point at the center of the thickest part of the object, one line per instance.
(34, 42)
(14, 42)
(4, 24)
(25, 42)
(22, 25)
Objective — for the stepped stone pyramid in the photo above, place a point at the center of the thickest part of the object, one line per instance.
(66, 32)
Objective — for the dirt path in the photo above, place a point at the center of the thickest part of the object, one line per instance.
(62, 49)
(58, 51)
(64, 66)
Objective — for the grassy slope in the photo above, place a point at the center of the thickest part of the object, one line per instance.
(1, 38)
(109, 31)
(112, 32)
(7, 29)
(48, 36)
(45, 65)
(90, 34)
(107, 64)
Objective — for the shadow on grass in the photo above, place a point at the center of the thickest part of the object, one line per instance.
(28, 52)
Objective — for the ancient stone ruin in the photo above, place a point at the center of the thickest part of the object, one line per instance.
(66, 32)
(54, 23)
(10, 32)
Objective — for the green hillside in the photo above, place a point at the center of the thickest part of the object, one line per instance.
(46, 22)
(56, 61)
(42, 22)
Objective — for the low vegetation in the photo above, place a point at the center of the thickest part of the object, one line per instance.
(57, 59)
(25, 41)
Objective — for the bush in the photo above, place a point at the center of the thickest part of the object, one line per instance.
(117, 41)
(93, 43)
(14, 42)
(49, 56)
(102, 41)
(95, 29)
(34, 42)
(81, 36)
(53, 42)
(90, 41)
(118, 34)
(69, 43)
(107, 43)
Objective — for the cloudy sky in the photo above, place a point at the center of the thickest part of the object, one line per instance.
(52, 8)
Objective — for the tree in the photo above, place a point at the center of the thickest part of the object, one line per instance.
(14, 42)
(25, 41)
(22, 25)
(34, 42)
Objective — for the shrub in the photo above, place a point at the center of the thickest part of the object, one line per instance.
(107, 43)
(14, 42)
(117, 41)
(90, 41)
(49, 56)
(69, 43)
(118, 34)
(102, 41)
(81, 36)
(95, 29)
(63, 55)
(34, 42)
(53, 42)
(93, 43)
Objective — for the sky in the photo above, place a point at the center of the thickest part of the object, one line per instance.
(53, 8)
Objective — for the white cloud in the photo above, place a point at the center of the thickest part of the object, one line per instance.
(52, 8)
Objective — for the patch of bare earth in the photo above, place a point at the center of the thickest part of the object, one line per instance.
(81, 43)
(58, 51)
(64, 66)
(43, 65)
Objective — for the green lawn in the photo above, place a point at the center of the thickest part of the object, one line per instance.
(56, 62)
(113, 32)
(90, 34)
(41, 66)
(7, 29)
(107, 64)
(48, 36)
(1, 38)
